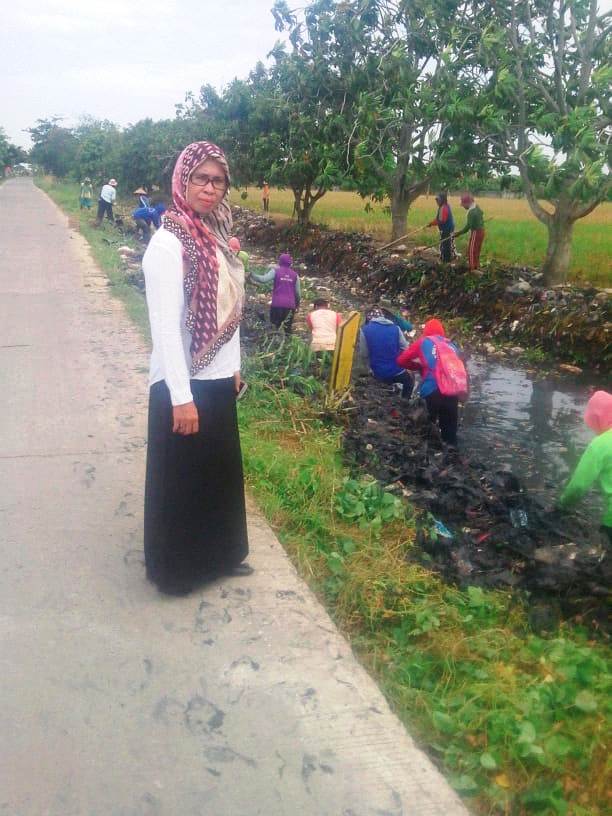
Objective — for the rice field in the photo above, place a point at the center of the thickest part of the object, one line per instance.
(514, 235)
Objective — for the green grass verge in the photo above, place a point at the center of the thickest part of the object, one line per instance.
(517, 722)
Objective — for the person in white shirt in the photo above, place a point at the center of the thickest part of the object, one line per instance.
(195, 517)
(323, 323)
(108, 195)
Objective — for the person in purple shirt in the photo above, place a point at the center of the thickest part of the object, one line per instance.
(286, 292)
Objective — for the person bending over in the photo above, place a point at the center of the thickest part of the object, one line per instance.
(380, 342)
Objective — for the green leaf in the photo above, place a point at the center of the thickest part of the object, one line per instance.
(444, 723)
(488, 761)
(464, 784)
(558, 746)
(527, 732)
(585, 702)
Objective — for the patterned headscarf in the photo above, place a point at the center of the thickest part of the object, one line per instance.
(372, 313)
(215, 296)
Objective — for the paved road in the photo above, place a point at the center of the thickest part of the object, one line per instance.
(239, 700)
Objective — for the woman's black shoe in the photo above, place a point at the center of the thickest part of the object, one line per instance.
(178, 590)
(241, 570)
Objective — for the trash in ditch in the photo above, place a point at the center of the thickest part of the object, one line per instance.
(502, 536)
(441, 529)
(518, 518)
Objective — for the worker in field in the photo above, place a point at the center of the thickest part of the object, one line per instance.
(400, 319)
(265, 196)
(286, 292)
(145, 217)
(475, 226)
(323, 323)
(108, 196)
(380, 343)
(243, 257)
(444, 380)
(86, 194)
(446, 225)
(595, 464)
(143, 197)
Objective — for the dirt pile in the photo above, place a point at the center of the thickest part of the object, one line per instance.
(493, 533)
(571, 323)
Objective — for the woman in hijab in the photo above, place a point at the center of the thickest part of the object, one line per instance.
(195, 519)
(595, 464)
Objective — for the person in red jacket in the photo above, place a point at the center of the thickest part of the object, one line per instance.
(445, 223)
(422, 356)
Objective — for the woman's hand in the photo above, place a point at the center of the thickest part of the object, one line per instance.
(237, 381)
(185, 420)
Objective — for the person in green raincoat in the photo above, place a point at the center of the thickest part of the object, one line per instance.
(595, 464)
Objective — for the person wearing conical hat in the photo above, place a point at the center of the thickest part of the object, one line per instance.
(143, 197)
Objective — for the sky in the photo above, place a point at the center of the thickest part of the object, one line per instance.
(122, 60)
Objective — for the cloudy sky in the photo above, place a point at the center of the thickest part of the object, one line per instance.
(124, 60)
(119, 59)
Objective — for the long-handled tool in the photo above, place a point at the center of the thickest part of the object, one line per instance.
(414, 232)
(407, 235)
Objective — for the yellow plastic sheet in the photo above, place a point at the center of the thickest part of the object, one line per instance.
(344, 353)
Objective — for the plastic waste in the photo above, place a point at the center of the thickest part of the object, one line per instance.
(442, 530)
(519, 518)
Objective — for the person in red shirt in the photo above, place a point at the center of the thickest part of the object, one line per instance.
(445, 223)
(422, 356)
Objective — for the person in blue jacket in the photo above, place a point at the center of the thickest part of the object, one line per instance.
(145, 216)
(380, 343)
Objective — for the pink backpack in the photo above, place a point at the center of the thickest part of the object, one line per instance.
(451, 376)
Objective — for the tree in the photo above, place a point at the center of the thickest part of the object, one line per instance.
(148, 153)
(54, 147)
(10, 154)
(545, 108)
(98, 154)
(398, 64)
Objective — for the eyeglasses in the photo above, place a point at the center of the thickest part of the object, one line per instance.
(202, 180)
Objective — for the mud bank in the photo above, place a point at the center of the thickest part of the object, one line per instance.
(495, 532)
(572, 324)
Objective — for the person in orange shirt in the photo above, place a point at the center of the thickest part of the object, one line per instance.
(265, 196)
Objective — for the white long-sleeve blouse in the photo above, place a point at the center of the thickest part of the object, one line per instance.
(170, 359)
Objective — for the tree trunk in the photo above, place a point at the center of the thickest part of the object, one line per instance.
(304, 212)
(400, 206)
(304, 201)
(559, 251)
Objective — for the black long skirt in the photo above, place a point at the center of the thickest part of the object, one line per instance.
(195, 516)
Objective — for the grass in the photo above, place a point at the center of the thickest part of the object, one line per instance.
(516, 721)
(513, 236)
